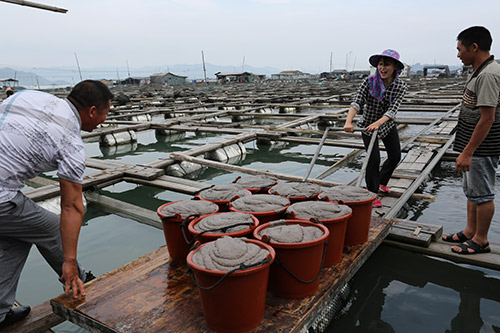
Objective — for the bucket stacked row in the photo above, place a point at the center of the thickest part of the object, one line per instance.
(298, 228)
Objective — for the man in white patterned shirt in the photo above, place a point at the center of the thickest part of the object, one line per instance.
(40, 132)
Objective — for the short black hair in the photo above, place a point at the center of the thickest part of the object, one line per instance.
(90, 93)
(479, 35)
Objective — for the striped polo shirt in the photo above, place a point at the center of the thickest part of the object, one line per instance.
(482, 90)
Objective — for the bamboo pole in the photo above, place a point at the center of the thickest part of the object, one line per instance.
(234, 168)
(36, 5)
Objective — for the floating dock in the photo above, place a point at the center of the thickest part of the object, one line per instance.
(153, 294)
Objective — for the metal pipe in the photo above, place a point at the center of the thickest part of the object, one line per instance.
(368, 153)
(311, 165)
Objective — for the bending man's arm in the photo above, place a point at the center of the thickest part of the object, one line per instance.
(482, 129)
(72, 212)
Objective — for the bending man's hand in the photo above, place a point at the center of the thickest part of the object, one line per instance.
(72, 280)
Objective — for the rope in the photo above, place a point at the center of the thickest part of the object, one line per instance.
(240, 268)
(183, 225)
(279, 262)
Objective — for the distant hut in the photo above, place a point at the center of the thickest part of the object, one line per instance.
(168, 78)
(293, 75)
(135, 80)
(8, 82)
(238, 77)
(437, 71)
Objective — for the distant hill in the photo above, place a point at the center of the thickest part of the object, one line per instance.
(29, 79)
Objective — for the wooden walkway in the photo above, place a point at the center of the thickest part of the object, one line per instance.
(151, 294)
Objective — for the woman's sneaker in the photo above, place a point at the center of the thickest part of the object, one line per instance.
(384, 189)
(377, 203)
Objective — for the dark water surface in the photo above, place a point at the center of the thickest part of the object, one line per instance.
(395, 291)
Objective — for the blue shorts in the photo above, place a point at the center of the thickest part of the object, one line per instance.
(479, 182)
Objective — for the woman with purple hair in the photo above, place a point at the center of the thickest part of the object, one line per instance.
(377, 100)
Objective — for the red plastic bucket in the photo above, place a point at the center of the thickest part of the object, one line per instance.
(210, 236)
(250, 183)
(280, 189)
(178, 246)
(295, 272)
(265, 216)
(337, 227)
(237, 303)
(358, 226)
(238, 192)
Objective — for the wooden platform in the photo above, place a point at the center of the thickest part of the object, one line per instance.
(152, 294)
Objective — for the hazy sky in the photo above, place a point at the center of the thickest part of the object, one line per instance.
(286, 34)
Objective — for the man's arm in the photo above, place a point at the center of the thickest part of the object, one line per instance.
(72, 212)
(481, 130)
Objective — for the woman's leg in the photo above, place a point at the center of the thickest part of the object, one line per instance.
(393, 148)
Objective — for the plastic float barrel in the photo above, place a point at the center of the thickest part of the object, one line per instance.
(227, 154)
(118, 138)
(233, 302)
(295, 272)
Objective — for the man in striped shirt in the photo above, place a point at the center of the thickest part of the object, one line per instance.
(477, 139)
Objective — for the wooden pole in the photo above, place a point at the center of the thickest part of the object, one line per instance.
(36, 5)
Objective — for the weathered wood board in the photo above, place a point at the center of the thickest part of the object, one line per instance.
(153, 294)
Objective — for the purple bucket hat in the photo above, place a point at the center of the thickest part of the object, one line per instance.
(387, 53)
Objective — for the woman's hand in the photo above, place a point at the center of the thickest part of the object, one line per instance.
(348, 127)
(373, 126)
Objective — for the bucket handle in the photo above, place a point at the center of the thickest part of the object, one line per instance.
(163, 218)
(279, 262)
(183, 226)
(202, 189)
(240, 268)
(223, 230)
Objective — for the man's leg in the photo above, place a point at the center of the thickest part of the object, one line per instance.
(13, 255)
(484, 215)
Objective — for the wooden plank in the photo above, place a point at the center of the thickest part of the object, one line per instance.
(40, 319)
(152, 294)
(435, 230)
(125, 209)
(442, 249)
(407, 236)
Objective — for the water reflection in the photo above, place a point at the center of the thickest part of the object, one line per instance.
(416, 293)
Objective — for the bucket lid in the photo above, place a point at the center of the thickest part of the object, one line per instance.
(281, 232)
(227, 253)
(296, 189)
(258, 181)
(216, 222)
(185, 208)
(260, 203)
(321, 210)
(346, 193)
(224, 192)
